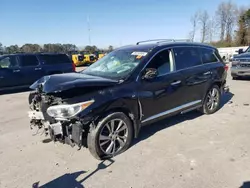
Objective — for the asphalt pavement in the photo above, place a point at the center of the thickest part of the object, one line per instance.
(190, 150)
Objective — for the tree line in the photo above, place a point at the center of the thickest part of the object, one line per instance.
(51, 48)
(228, 26)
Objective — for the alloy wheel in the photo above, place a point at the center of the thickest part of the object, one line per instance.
(113, 136)
(213, 99)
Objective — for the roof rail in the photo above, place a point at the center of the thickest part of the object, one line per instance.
(158, 41)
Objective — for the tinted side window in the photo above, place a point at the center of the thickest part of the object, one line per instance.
(207, 55)
(28, 60)
(55, 59)
(161, 62)
(186, 57)
(9, 62)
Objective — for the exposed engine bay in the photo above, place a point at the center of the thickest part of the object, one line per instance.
(68, 131)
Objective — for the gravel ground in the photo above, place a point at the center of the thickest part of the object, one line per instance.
(188, 150)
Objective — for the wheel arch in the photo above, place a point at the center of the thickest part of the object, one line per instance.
(131, 115)
(129, 107)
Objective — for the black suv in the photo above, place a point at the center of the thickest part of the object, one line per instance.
(22, 69)
(105, 106)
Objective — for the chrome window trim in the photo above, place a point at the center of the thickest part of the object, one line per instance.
(175, 71)
(171, 110)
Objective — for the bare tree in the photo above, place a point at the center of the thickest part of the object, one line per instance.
(194, 19)
(232, 12)
(226, 20)
(211, 29)
(204, 23)
(221, 19)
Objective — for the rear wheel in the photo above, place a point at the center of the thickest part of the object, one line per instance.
(212, 100)
(112, 136)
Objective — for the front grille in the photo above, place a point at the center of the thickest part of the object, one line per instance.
(245, 65)
(245, 60)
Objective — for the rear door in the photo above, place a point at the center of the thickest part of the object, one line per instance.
(188, 61)
(213, 64)
(30, 68)
(10, 74)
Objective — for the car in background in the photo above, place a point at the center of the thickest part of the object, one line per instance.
(241, 64)
(241, 50)
(104, 106)
(22, 69)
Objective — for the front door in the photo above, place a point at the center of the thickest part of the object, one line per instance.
(163, 94)
(10, 74)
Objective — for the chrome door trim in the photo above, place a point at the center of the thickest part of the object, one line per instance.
(172, 110)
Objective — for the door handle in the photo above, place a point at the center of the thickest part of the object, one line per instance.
(207, 73)
(16, 70)
(175, 83)
(38, 68)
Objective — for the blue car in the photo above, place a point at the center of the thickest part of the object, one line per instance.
(21, 70)
(241, 64)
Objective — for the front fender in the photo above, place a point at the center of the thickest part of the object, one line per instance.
(129, 107)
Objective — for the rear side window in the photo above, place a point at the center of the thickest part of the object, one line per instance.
(208, 55)
(28, 60)
(186, 57)
(55, 59)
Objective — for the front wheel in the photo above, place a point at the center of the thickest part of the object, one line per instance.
(212, 100)
(112, 136)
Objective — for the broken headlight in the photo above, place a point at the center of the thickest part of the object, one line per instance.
(68, 110)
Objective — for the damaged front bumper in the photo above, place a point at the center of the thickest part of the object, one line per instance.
(71, 132)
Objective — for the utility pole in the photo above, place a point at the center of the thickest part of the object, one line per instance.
(89, 30)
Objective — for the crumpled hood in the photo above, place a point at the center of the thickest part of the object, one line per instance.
(61, 82)
(242, 56)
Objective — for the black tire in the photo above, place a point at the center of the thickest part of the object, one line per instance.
(235, 78)
(94, 134)
(205, 107)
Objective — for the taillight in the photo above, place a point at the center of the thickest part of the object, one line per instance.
(74, 66)
(226, 67)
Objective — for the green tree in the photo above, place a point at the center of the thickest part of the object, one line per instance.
(54, 48)
(243, 32)
(1, 48)
(31, 48)
(90, 49)
(69, 47)
(12, 49)
(110, 48)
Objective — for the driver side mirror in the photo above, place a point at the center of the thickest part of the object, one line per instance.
(150, 74)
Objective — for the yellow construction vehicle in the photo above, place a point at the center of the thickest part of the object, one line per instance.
(99, 54)
(77, 58)
(81, 58)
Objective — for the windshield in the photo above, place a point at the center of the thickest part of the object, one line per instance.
(248, 50)
(117, 64)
